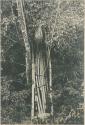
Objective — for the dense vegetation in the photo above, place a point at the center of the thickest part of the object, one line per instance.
(64, 33)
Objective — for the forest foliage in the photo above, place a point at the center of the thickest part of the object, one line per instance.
(64, 33)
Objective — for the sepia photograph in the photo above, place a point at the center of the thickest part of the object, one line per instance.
(42, 62)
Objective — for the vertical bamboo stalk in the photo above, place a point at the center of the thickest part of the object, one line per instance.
(42, 82)
(43, 85)
(50, 81)
(33, 86)
(39, 98)
(41, 78)
(37, 85)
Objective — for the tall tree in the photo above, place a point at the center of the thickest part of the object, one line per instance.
(22, 23)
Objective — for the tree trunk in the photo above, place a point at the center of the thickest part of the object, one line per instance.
(25, 37)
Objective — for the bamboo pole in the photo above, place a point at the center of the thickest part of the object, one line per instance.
(33, 86)
(37, 85)
(43, 86)
(42, 81)
(50, 81)
(39, 99)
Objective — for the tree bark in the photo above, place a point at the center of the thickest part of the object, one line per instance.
(22, 23)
